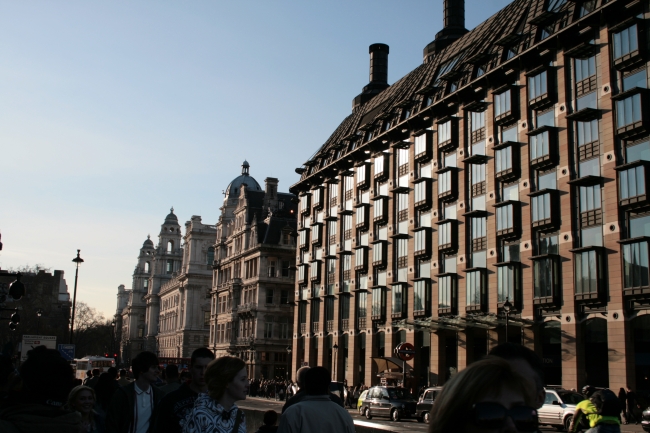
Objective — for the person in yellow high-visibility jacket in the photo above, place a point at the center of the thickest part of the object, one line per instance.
(598, 423)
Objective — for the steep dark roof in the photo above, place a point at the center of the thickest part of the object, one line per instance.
(516, 27)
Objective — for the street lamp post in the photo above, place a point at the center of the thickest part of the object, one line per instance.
(507, 309)
(252, 356)
(113, 339)
(336, 350)
(288, 362)
(78, 260)
(39, 313)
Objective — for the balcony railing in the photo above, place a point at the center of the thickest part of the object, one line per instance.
(345, 324)
(303, 328)
(315, 327)
(361, 322)
(330, 326)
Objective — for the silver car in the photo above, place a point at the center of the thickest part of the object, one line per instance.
(559, 407)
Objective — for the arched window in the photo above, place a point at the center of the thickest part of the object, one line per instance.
(170, 246)
(210, 255)
(147, 267)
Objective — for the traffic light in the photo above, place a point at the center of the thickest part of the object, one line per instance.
(115, 355)
(105, 354)
(13, 321)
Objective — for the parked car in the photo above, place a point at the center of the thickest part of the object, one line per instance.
(559, 408)
(389, 401)
(423, 408)
(360, 401)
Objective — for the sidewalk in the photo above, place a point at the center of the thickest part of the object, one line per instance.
(631, 428)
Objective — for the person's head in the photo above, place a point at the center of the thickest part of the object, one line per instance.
(171, 372)
(226, 378)
(145, 364)
(122, 373)
(112, 372)
(300, 376)
(89, 373)
(81, 399)
(317, 381)
(270, 417)
(588, 390)
(96, 372)
(199, 361)
(527, 363)
(47, 377)
(478, 399)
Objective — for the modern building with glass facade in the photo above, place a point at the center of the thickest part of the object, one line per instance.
(507, 169)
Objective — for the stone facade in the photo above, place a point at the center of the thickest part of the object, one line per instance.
(506, 170)
(252, 288)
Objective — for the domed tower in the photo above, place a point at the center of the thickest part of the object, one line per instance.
(168, 256)
(142, 271)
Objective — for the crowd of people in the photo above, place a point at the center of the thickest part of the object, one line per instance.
(500, 393)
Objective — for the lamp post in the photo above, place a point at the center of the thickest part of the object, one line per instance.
(335, 358)
(288, 362)
(507, 309)
(113, 339)
(78, 260)
(252, 356)
(39, 313)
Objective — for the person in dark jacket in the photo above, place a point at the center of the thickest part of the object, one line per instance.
(631, 406)
(132, 405)
(270, 419)
(175, 405)
(622, 398)
(301, 374)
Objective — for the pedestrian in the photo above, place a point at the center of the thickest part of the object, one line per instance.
(124, 379)
(93, 380)
(47, 379)
(487, 396)
(600, 408)
(632, 405)
(132, 405)
(173, 381)
(316, 412)
(270, 419)
(104, 390)
(527, 363)
(300, 378)
(89, 375)
(622, 399)
(174, 406)
(216, 411)
(82, 399)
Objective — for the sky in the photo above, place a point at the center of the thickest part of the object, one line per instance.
(113, 112)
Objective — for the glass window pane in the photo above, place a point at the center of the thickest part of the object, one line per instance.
(638, 79)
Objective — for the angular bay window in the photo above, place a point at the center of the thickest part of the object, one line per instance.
(476, 291)
(334, 198)
(588, 142)
(363, 176)
(638, 151)
(398, 295)
(317, 197)
(362, 308)
(632, 184)
(303, 273)
(317, 234)
(636, 266)
(503, 107)
(378, 304)
(477, 130)
(423, 146)
(402, 216)
(422, 240)
(447, 295)
(589, 274)
(508, 283)
(381, 166)
(332, 227)
(546, 279)
(538, 89)
(506, 161)
(315, 271)
(478, 186)
(447, 184)
(422, 193)
(421, 297)
(379, 253)
(543, 147)
(361, 258)
(630, 113)
(304, 238)
(380, 208)
(305, 203)
(542, 209)
(507, 220)
(347, 233)
(590, 206)
(447, 236)
(363, 216)
(346, 272)
(447, 134)
(331, 275)
(402, 260)
(625, 45)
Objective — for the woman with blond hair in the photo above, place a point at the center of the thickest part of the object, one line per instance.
(216, 411)
(486, 397)
(82, 399)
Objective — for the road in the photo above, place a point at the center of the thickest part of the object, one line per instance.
(403, 425)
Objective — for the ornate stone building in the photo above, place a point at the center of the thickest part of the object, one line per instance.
(505, 172)
(252, 288)
(184, 319)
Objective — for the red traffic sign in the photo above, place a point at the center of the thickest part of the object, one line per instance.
(405, 351)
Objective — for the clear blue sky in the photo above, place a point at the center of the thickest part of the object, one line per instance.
(112, 112)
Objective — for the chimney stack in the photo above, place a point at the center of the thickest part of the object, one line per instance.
(454, 21)
(378, 75)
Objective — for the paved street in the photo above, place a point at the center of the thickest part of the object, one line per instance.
(404, 425)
